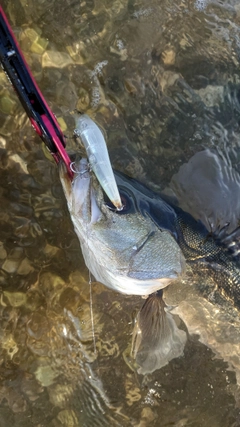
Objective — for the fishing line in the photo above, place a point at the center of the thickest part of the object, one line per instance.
(91, 314)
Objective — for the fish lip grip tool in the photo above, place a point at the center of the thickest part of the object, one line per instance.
(32, 100)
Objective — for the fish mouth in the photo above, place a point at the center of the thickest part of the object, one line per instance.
(106, 180)
(80, 191)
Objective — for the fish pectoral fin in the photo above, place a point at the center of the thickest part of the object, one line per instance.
(156, 338)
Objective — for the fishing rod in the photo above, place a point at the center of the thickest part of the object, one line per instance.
(32, 100)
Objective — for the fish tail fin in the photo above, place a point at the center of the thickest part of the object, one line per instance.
(156, 337)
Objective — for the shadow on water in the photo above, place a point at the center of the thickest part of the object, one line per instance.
(162, 80)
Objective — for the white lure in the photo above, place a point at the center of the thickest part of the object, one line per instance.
(97, 153)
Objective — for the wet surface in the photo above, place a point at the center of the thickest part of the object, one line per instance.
(163, 82)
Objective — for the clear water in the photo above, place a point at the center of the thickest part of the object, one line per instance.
(162, 79)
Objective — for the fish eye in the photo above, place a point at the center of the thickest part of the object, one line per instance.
(126, 202)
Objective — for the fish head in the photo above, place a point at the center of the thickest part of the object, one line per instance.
(128, 250)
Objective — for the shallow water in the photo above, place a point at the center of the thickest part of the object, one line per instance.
(162, 79)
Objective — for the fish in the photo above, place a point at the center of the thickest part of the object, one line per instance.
(130, 252)
(144, 248)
